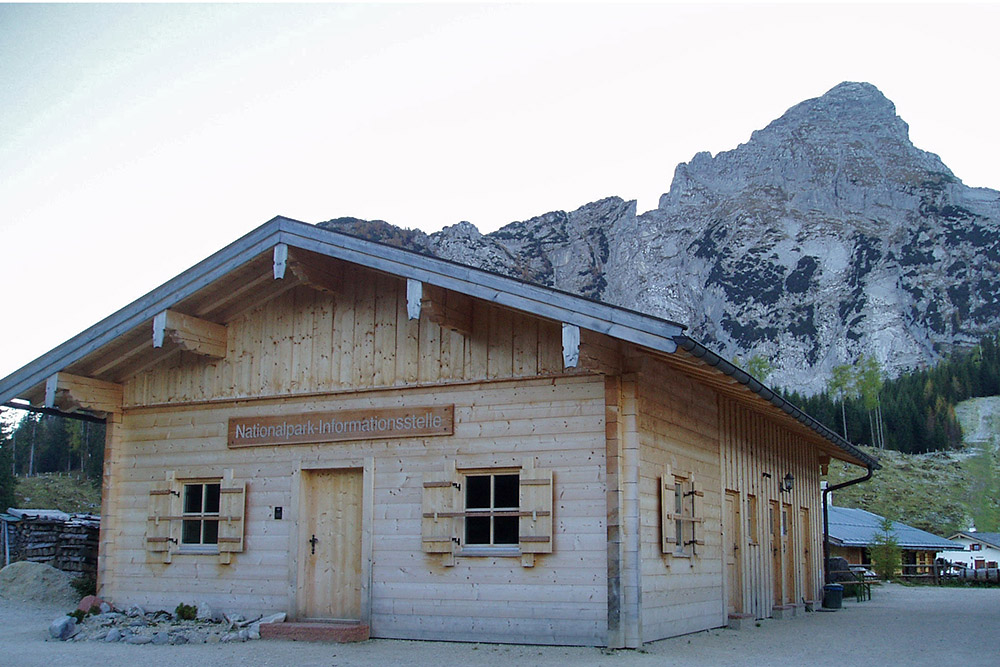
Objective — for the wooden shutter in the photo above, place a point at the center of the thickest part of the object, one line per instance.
(232, 508)
(158, 533)
(697, 528)
(441, 512)
(535, 529)
(667, 531)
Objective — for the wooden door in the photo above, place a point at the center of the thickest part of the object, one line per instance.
(806, 537)
(776, 569)
(734, 554)
(330, 546)
(788, 551)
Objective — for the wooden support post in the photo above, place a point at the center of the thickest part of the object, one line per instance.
(570, 345)
(72, 392)
(414, 294)
(190, 333)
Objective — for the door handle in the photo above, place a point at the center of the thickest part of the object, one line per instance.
(313, 542)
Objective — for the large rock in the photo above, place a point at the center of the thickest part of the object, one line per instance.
(63, 628)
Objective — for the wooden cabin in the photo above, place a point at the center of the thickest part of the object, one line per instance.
(312, 423)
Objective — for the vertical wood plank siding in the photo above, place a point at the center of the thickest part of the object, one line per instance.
(753, 446)
(679, 428)
(358, 337)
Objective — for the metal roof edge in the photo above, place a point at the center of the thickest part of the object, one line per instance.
(622, 323)
(712, 359)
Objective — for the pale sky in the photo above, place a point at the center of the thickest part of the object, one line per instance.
(137, 140)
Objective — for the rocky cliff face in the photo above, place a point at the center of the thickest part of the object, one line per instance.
(826, 236)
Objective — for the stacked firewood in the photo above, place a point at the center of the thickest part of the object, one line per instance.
(70, 545)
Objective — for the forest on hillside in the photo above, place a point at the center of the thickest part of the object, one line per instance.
(914, 413)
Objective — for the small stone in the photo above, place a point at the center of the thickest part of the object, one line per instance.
(234, 620)
(161, 638)
(139, 639)
(135, 611)
(244, 635)
(114, 635)
(213, 639)
(105, 607)
(178, 639)
(205, 612)
(63, 628)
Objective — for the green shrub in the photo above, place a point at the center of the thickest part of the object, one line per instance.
(78, 614)
(85, 585)
(186, 612)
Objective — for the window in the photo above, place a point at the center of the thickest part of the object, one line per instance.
(200, 525)
(975, 547)
(752, 518)
(488, 512)
(680, 507)
(491, 510)
(202, 515)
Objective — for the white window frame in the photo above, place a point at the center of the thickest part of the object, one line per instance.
(201, 516)
(491, 548)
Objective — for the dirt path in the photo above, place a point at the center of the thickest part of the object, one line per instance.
(901, 625)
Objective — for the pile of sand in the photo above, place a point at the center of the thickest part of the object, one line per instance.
(36, 582)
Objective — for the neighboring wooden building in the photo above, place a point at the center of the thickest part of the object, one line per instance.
(312, 423)
(854, 531)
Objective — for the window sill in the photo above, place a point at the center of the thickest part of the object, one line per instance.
(191, 550)
(490, 552)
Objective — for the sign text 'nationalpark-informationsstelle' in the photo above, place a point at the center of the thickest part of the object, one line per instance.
(302, 429)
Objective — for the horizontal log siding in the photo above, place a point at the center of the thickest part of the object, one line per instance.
(560, 421)
(359, 337)
(752, 445)
(679, 427)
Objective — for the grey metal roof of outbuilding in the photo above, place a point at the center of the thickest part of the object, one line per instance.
(852, 527)
(992, 539)
(133, 322)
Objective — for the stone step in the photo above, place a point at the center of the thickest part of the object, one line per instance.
(315, 631)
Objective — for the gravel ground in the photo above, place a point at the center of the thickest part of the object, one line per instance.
(899, 626)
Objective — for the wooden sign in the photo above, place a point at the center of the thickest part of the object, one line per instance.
(316, 427)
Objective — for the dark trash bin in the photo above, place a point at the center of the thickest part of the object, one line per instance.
(833, 596)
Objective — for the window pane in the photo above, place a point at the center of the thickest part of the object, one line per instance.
(211, 498)
(505, 530)
(477, 530)
(211, 532)
(505, 491)
(477, 492)
(191, 531)
(192, 498)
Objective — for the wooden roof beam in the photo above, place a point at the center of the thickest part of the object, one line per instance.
(70, 393)
(305, 270)
(190, 333)
(450, 310)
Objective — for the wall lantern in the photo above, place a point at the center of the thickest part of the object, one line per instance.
(787, 482)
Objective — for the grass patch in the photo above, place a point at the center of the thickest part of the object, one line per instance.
(58, 491)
